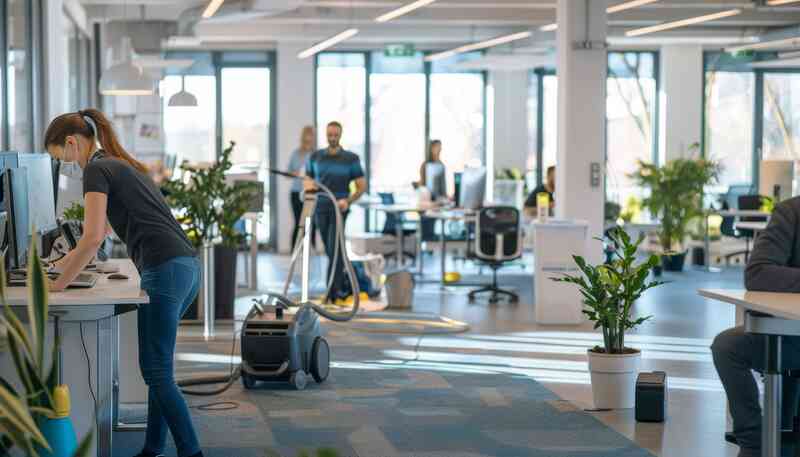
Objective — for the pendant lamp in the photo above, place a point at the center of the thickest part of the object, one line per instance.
(183, 98)
(125, 78)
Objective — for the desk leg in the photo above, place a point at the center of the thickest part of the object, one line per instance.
(105, 391)
(399, 242)
(443, 242)
(254, 255)
(420, 257)
(771, 423)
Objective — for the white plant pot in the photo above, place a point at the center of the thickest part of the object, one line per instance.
(614, 379)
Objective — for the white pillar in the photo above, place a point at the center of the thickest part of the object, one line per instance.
(681, 96)
(582, 76)
(295, 100)
(511, 148)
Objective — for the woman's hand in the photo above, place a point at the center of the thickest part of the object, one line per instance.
(55, 286)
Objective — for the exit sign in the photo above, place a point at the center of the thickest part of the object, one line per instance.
(399, 50)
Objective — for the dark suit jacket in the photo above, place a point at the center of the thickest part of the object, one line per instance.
(774, 265)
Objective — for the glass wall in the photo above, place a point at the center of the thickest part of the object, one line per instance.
(781, 116)
(245, 114)
(189, 131)
(77, 77)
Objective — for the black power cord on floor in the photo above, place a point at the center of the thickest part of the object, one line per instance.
(89, 371)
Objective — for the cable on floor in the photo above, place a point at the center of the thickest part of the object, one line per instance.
(89, 371)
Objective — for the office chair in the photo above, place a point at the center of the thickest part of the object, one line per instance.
(498, 240)
(390, 226)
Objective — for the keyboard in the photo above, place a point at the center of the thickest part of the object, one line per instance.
(82, 281)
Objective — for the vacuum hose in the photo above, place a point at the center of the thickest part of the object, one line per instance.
(309, 206)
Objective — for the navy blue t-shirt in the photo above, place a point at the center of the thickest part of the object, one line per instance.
(335, 171)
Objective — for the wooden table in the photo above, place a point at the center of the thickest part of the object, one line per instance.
(89, 317)
(773, 315)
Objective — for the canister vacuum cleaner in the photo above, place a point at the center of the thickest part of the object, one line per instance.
(278, 346)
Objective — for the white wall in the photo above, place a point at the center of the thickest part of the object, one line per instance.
(295, 101)
(681, 99)
(511, 148)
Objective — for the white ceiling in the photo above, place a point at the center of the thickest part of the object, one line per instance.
(441, 23)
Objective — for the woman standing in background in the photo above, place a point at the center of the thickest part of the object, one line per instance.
(297, 166)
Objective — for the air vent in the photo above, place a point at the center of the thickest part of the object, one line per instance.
(266, 329)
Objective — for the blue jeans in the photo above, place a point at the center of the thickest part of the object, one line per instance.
(172, 286)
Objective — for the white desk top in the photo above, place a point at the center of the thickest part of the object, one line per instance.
(786, 306)
(105, 292)
(742, 213)
(754, 226)
(396, 208)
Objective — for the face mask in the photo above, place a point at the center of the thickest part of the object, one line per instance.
(72, 170)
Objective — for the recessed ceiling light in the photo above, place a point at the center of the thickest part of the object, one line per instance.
(323, 45)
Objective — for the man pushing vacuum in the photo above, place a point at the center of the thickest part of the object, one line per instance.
(277, 346)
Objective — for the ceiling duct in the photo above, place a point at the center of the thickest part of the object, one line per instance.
(235, 11)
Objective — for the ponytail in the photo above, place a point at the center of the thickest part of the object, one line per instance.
(105, 134)
(95, 126)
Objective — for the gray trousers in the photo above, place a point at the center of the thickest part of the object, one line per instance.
(735, 354)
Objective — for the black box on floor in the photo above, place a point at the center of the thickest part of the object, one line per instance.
(651, 397)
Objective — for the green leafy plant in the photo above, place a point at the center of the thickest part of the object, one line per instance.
(676, 193)
(767, 204)
(74, 212)
(208, 207)
(632, 210)
(613, 211)
(322, 452)
(20, 412)
(610, 290)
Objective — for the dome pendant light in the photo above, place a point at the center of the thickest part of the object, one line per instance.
(183, 98)
(125, 78)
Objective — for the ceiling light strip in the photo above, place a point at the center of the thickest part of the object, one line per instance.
(403, 10)
(479, 45)
(330, 42)
(683, 23)
(782, 43)
(780, 2)
(628, 5)
(212, 8)
(610, 10)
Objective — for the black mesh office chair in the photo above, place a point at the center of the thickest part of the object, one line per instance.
(390, 225)
(745, 202)
(498, 240)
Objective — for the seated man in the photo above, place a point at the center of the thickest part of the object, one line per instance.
(549, 186)
(773, 267)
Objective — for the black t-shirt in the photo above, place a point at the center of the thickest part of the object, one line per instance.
(137, 212)
(530, 202)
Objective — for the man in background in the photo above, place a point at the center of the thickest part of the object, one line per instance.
(336, 168)
(548, 187)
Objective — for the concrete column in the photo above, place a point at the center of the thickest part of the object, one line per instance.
(582, 76)
(511, 148)
(295, 101)
(681, 100)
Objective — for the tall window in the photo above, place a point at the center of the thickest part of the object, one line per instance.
(729, 107)
(630, 115)
(457, 113)
(20, 117)
(630, 120)
(189, 131)
(245, 113)
(407, 99)
(397, 115)
(781, 116)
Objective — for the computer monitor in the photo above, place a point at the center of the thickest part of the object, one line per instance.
(473, 188)
(41, 201)
(435, 180)
(15, 202)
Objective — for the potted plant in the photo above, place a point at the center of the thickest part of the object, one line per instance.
(208, 209)
(35, 421)
(609, 293)
(74, 212)
(676, 198)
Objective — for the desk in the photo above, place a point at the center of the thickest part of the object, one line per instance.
(735, 213)
(99, 307)
(755, 227)
(785, 321)
(398, 209)
(444, 216)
